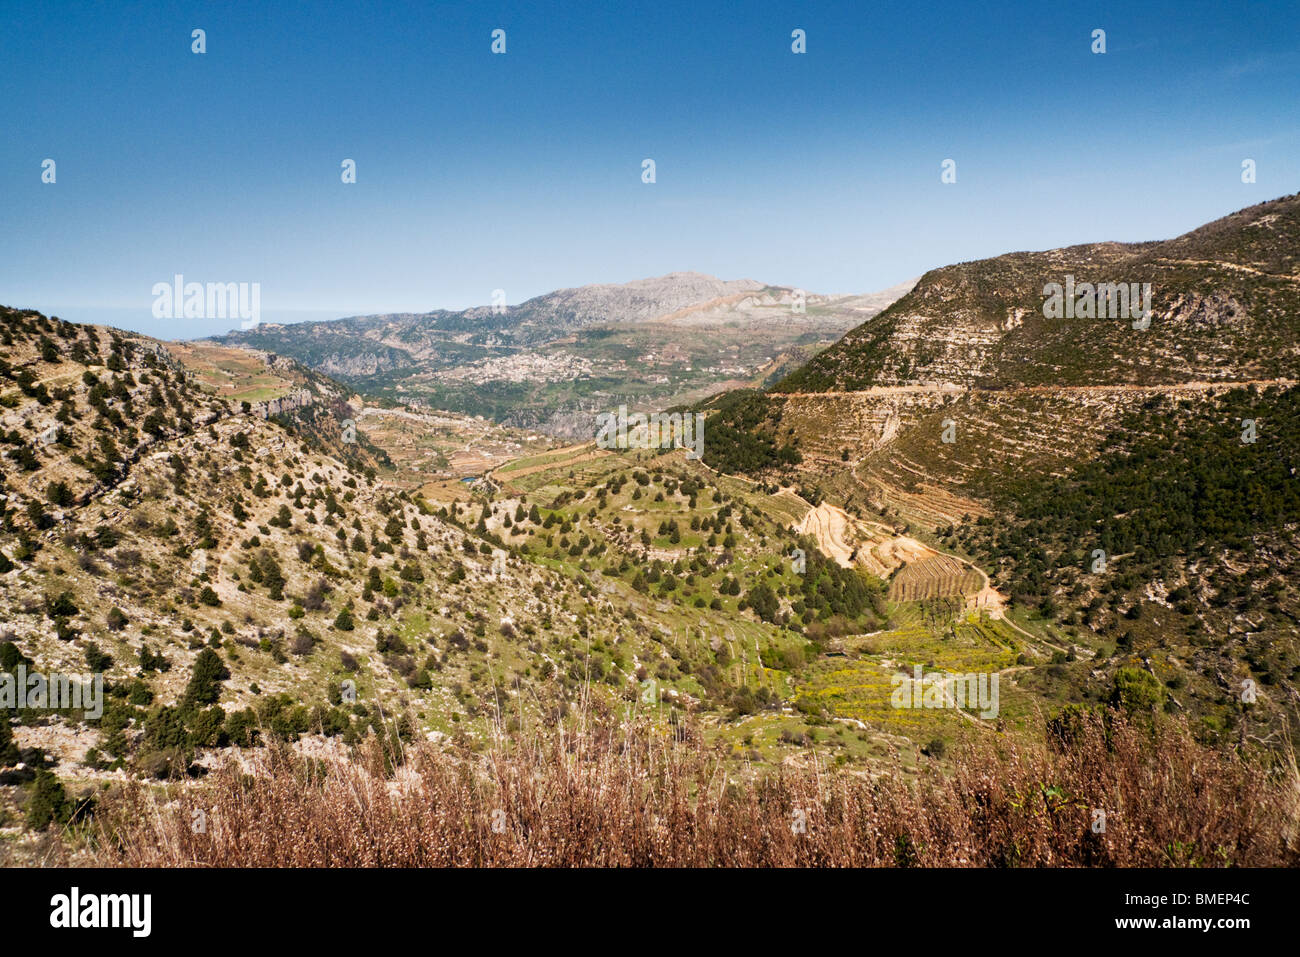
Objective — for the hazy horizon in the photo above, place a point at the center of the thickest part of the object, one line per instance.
(140, 319)
(522, 171)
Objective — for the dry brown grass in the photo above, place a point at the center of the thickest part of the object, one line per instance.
(618, 796)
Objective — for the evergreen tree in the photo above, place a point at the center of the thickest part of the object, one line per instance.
(205, 681)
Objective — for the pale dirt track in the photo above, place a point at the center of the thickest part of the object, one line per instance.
(848, 541)
(830, 527)
(953, 389)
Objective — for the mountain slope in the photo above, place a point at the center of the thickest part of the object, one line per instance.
(230, 566)
(1225, 305)
(1127, 490)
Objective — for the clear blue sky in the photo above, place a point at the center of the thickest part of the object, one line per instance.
(522, 171)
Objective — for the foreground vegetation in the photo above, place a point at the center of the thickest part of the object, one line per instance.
(1103, 790)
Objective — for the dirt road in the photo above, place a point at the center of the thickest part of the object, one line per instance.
(954, 389)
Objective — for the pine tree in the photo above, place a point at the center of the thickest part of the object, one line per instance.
(205, 682)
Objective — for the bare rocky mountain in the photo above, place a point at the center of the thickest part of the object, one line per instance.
(643, 300)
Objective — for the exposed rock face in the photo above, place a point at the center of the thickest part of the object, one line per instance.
(285, 403)
(363, 364)
(576, 423)
(572, 424)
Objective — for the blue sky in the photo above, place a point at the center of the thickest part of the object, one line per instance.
(523, 171)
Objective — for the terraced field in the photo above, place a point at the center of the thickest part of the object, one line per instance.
(932, 456)
(551, 459)
(428, 447)
(235, 374)
(548, 482)
(938, 576)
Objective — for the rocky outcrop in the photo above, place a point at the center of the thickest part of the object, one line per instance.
(285, 403)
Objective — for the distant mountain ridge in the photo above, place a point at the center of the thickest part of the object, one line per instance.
(553, 314)
(642, 300)
(555, 360)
